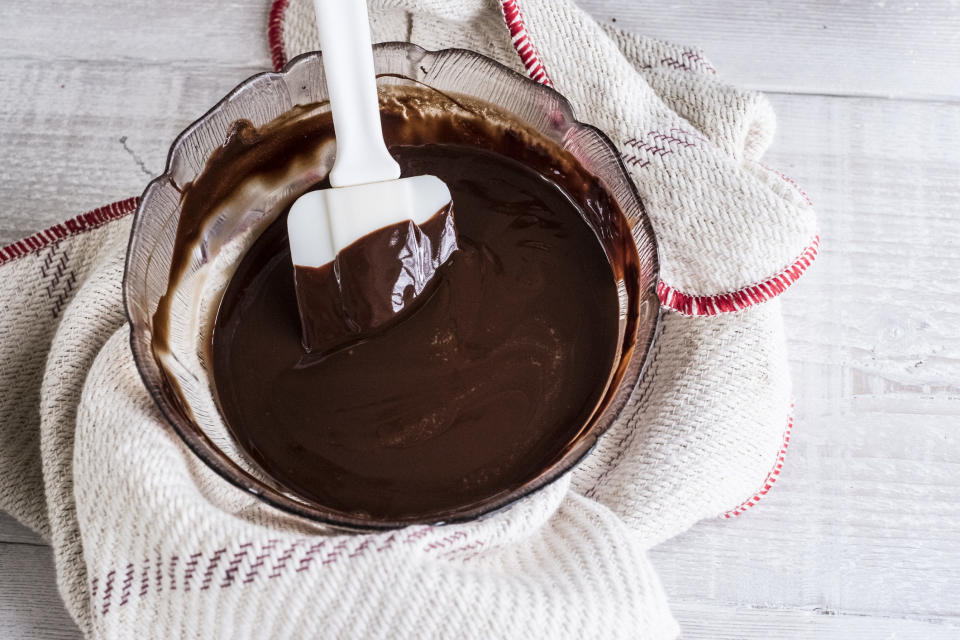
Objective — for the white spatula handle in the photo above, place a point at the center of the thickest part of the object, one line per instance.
(362, 156)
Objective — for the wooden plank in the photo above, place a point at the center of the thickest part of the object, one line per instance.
(30, 607)
(711, 622)
(874, 323)
(897, 48)
(80, 135)
(203, 34)
(860, 522)
(894, 48)
(13, 532)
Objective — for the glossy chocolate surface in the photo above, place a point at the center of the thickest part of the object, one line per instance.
(497, 372)
(471, 393)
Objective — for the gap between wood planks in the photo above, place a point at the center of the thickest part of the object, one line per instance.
(242, 70)
(710, 622)
(949, 621)
(944, 100)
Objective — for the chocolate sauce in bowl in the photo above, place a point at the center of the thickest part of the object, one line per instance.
(469, 394)
(489, 377)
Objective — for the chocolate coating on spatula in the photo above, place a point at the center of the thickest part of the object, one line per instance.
(372, 282)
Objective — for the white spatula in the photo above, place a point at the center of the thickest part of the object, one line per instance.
(367, 193)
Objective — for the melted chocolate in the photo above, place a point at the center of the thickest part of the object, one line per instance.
(502, 363)
(372, 282)
(472, 393)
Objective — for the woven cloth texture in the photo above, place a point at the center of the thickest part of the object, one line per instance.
(149, 543)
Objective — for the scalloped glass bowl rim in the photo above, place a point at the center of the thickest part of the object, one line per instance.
(227, 469)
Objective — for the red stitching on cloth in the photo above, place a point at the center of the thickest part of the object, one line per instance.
(284, 558)
(275, 34)
(335, 554)
(159, 573)
(234, 564)
(473, 555)
(634, 161)
(655, 149)
(211, 567)
(108, 592)
(254, 569)
(528, 53)
(127, 582)
(307, 559)
(144, 578)
(697, 57)
(691, 305)
(676, 64)
(72, 227)
(416, 535)
(452, 553)
(771, 477)
(262, 555)
(387, 543)
(191, 568)
(172, 572)
(439, 544)
(686, 61)
(669, 137)
(658, 146)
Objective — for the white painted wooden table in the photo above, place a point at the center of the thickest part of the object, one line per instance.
(860, 537)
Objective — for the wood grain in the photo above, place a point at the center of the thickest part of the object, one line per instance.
(82, 134)
(30, 607)
(736, 622)
(200, 34)
(851, 527)
(13, 532)
(891, 48)
(858, 539)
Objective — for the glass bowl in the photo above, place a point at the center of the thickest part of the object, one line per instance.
(178, 376)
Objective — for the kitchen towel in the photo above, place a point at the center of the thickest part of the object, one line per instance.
(149, 543)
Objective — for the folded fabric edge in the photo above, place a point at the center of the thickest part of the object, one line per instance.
(772, 475)
(275, 34)
(756, 293)
(529, 56)
(80, 224)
